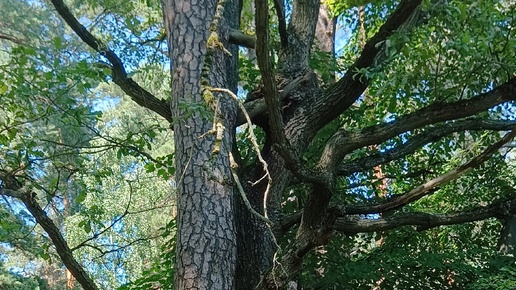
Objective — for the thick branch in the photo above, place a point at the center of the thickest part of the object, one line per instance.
(282, 24)
(271, 95)
(341, 95)
(138, 94)
(431, 185)
(424, 221)
(239, 38)
(431, 135)
(257, 107)
(301, 30)
(62, 248)
(343, 142)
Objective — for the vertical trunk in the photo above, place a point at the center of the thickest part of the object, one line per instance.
(206, 237)
(256, 248)
(507, 242)
(325, 35)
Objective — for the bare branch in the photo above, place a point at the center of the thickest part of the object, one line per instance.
(62, 248)
(11, 38)
(138, 94)
(267, 72)
(424, 221)
(414, 143)
(432, 185)
(282, 24)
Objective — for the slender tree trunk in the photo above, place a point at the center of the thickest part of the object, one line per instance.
(206, 236)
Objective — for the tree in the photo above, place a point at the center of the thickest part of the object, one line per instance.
(436, 116)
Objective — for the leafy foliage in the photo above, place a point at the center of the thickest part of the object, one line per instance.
(103, 167)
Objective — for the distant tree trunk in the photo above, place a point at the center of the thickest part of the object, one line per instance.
(507, 241)
(206, 235)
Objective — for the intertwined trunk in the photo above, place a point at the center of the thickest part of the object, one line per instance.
(206, 236)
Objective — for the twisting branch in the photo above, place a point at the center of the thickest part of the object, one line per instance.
(256, 148)
(431, 185)
(344, 142)
(414, 143)
(424, 221)
(138, 94)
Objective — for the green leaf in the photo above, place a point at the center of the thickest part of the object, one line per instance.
(81, 197)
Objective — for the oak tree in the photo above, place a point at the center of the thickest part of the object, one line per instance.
(283, 144)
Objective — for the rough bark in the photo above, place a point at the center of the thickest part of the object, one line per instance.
(206, 235)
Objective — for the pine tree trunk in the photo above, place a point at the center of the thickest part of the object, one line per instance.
(206, 235)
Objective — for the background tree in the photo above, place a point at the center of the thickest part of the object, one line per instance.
(251, 211)
(85, 169)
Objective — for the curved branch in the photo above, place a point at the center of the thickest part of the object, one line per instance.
(424, 221)
(62, 248)
(344, 142)
(138, 94)
(431, 135)
(432, 185)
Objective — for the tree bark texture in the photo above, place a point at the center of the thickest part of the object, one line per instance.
(206, 236)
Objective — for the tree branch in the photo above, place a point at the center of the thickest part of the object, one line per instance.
(271, 95)
(301, 30)
(239, 38)
(415, 142)
(341, 95)
(431, 185)
(282, 24)
(344, 142)
(62, 248)
(138, 94)
(258, 106)
(10, 38)
(424, 221)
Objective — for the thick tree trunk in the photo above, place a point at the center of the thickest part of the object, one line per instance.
(256, 247)
(206, 236)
